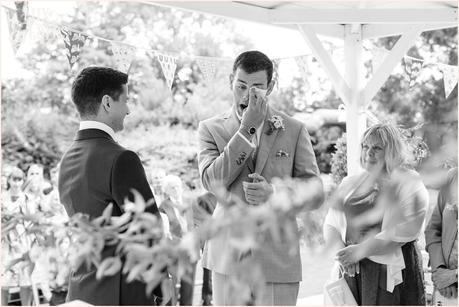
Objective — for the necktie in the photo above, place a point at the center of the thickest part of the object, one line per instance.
(254, 154)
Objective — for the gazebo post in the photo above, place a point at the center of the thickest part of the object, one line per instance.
(339, 84)
(355, 108)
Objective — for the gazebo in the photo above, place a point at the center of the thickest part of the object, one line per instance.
(353, 22)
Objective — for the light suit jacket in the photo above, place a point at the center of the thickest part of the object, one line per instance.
(225, 157)
(441, 232)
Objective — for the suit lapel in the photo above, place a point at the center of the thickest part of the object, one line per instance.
(265, 145)
(231, 123)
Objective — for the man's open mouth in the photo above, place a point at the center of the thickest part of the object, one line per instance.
(243, 106)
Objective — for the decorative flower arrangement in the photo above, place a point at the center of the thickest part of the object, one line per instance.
(275, 123)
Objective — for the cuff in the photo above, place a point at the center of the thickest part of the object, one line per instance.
(244, 138)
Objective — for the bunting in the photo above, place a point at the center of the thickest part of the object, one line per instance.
(74, 42)
(168, 65)
(412, 68)
(450, 75)
(24, 27)
(17, 28)
(123, 55)
(208, 67)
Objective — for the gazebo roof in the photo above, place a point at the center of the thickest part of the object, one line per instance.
(329, 17)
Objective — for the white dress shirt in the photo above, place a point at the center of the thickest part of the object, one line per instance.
(259, 129)
(92, 124)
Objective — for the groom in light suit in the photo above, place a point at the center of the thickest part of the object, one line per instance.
(243, 150)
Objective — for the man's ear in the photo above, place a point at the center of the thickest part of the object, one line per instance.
(106, 103)
(270, 87)
(231, 79)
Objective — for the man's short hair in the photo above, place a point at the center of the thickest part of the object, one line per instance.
(253, 61)
(92, 83)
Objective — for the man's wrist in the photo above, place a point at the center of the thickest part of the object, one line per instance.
(247, 131)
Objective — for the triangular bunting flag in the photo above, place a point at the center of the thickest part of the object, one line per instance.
(17, 28)
(302, 62)
(412, 68)
(168, 65)
(275, 78)
(379, 55)
(74, 42)
(123, 55)
(208, 67)
(450, 75)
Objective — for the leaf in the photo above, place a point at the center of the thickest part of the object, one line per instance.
(136, 271)
(139, 201)
(109, 267)
(118, 221)
(167, 289)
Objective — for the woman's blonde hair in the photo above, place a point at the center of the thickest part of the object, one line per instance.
(395, 151)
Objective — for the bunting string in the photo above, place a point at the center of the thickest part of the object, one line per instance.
(20, 23)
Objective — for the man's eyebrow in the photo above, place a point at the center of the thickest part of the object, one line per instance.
(242, 81)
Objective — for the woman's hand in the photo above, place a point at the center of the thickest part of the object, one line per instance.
(350, 255)
(442, 278)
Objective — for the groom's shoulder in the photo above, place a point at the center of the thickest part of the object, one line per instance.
(289, 121)
(216, 119)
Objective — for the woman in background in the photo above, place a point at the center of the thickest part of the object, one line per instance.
(375, 220)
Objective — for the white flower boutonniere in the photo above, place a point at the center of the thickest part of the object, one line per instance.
(275, 123)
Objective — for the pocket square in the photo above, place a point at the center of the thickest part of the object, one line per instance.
(280, 153)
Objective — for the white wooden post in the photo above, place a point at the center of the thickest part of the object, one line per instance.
(339, 84)
(355, 115)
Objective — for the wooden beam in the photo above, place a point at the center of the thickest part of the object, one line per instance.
(354, 73)
(363, 16)
(246, 12)
(392, 59)
(226, 9)
(380, 30)
(340, 85)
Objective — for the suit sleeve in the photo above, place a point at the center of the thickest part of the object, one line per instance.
(221, 168)
(305, 165)
(433, 233)
(127, 174)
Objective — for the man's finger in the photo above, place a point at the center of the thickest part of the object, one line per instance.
(454, 291)
(257, 177)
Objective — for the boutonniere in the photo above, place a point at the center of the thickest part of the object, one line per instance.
(275, 123)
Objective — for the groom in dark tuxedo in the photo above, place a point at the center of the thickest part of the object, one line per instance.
(96, 171)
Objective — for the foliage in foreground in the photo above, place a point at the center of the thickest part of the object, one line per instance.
(139, 238)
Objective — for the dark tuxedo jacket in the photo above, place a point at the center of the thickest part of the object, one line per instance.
(94, 172)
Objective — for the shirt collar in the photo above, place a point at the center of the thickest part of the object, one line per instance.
(92, 124)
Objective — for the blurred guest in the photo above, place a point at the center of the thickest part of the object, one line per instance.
(13, 202)
(205, 206)
(35, 186)
(175, 210)
(441, 242)
(156, 177)
(375, 219)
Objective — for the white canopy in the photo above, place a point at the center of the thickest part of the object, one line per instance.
(352, 21)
